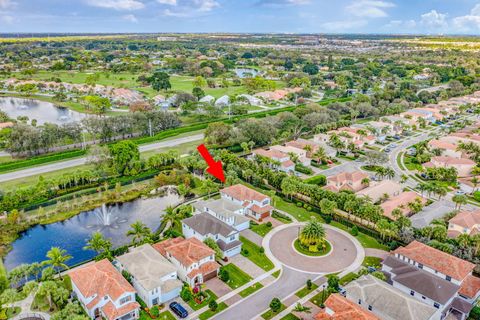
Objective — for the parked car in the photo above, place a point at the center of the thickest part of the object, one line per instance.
(371, 269)
(342, 291)
(178, 309)
(387, 150)
(460, 193)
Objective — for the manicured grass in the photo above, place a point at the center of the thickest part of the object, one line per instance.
(270, 314)
(253, 252)
(348, 278)
(304, 291)
(276, 274)
(365, 240)
(317, 299)
(399, 160)
(281, 217)
(300, 248)
(208, 314)
(290, 316)
(197, 306)
(248, 291)
(409, 163)
(261, 229)
(300, 213)
(238, 277)
(372, 262)
(165, 315)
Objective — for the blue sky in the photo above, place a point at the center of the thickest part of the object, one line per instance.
(296, 16)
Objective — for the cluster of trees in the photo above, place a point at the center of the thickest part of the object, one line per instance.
(26, 139)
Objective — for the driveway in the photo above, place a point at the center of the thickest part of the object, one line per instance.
(246, 265)
(218, 286)
(252, 236)
(248, 308)
(344, 253)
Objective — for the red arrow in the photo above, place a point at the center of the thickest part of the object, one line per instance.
(215, 168)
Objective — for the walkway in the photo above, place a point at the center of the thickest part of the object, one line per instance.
(26, 305)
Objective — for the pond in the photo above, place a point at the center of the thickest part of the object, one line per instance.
(245, 72)
(112, 221)
(40, 110)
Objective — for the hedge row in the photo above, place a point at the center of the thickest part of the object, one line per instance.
(37, 160)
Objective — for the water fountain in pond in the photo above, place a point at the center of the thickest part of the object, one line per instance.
(106, 219)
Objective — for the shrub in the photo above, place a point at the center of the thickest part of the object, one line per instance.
(224, 275)
(262, 250)
(155, 312)
(275, 305)
(186, 294)
(328, 219)
(319, 180)
(354, 231)
(212, 305)
(299, 204)
(309, 208)
(303, 169)
(245, 252)
(269, 224)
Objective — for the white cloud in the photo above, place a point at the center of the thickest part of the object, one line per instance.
(400, 25)
(117, 4)
(369, 8)
(283, 3)
(130, 18)
(190, 8)
(434, 20)
(6, 4)
(468, 22)
(341, 26)
(169, 2)
(7, 19)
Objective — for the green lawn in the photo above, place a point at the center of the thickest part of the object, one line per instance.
(196, 306)
(276, 274)
(261, 229)
(255, 254)
(300, 248)
(409, 163)
(372, 262)
(238, 277)
(348, 278)
(248, 291)
(317, 299)
(365, 240)
(208, 314)
(270, 314)
(165, 315)
(304, 291)
(290, 316)
(300, 213)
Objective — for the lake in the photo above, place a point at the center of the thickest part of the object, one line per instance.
(112, 221)
(40, 110)
(245, 72)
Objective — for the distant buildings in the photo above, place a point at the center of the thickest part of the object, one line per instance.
(465, 222)
(402, 201)
(353, 181)
(383, 190)
(463, 166)
(282, 159)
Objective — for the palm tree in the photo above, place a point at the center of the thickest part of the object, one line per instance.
(320, 155)
(475, 181)
(365, 182)
(98, 243)
(464, 240)
(139, 232)
(312, 236)
(459, 201)
(58, 258)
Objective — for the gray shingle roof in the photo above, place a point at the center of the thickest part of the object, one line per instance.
(205, 223)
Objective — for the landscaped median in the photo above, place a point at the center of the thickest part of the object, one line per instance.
(256, 254)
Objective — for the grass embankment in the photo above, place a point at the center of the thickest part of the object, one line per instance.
(248, 291)
(261, 229)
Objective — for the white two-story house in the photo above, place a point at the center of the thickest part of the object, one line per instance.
(194, 260)
(103, 292)
(257, 205)
(434, 277)
(153, 276)
(230, 212)
(204, 225)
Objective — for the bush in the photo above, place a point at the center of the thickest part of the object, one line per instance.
(354, 231)
(269, 224)
(309, 208)
(275, 305)
(155, 312)
(245, 252)
(299, 204)
(262, 250)
(212, 305)
(328, 219)
(319, 180)
(303, 169)
(224, 275)
(186, 294)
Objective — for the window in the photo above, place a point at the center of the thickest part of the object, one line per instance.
(359, 301)
(125, 300)
(420, 266)
(412, 293)
(232, 238)
(448, 278)
(423, 297)
(436, 305)
(370, 307)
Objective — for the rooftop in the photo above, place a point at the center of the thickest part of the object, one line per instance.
(186, 251)
(205, 224)
(147, 266)
(222, 207)
(341, 308)
(243, 193)
(466, 219)
(438, 260)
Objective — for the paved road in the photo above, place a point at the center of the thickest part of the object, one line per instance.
(80, 161)
(288, 282)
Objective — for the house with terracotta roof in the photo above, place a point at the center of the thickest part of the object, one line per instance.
(465, 222)
(194, 260)
(447, 149)
(204, 225)
(401, 202)
(300, 153)
(104, 292)
(463, 166)
(153, 276)
(314, 146)
(285, 164)
(434, 277)
(339, 308)
(384, 189)
(257, 204)
(462, 137)
(348, 135)
(351, 181)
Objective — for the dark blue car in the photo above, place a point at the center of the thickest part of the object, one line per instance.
(178, 309)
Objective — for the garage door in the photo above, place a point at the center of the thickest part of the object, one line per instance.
(209, 276)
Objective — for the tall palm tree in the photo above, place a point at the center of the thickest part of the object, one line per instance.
(98, 243)
(312, 236)
(58, 259)
(139, 232)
